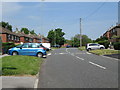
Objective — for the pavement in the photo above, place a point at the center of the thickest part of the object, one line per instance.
(72, 68)
(15, 82)
(18, 82)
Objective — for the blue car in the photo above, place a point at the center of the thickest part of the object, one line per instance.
(32, 49)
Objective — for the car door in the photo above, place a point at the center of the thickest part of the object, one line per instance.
(33, 47)
(24, 50)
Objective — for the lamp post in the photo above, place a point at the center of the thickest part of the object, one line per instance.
(80, 33)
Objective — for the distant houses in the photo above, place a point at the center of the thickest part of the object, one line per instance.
(113, 34)
(20, 37)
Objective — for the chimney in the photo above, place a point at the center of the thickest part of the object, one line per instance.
(16, 30)
(29, 33)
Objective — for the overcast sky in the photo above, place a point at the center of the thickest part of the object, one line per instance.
(97, 17)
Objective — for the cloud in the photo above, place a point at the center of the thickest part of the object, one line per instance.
(10, 8)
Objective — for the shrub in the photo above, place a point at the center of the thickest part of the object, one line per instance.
(116, 45)
(6, 46)
(105, 43)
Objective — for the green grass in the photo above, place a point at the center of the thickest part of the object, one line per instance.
(20, 65)
(82, 48)
(104, 52)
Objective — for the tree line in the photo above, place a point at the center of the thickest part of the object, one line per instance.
(9, 27)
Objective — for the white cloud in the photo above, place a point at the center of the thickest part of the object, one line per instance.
(10, 8)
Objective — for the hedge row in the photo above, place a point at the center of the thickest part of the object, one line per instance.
(7, 46)
(116, 45)
(105, 43)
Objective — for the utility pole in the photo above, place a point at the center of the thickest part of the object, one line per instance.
(80, 33)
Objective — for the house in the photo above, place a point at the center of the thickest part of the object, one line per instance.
(8, 36)
(20, 37)
(113, 32)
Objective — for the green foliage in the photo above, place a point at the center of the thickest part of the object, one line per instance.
(6, 25)
(76, 40)
(32, 32)
(116, 45)
(25, 30)
(51, 37)
(56, 36)
(104, 52)
(20, 65)
(101, 39)
(6, 46)
(105, 43)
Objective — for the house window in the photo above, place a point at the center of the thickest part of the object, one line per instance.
(15, 38)
(18, 39)
(12, 37)
(9, 36)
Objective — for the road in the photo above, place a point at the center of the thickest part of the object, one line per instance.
(72, 68)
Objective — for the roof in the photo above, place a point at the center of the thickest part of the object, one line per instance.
(18, 33)
(6, 31)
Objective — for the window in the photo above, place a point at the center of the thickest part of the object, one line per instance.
(12, 37)
(25, 46)
(9, 37)
(94, 45)
(19, 46)
(34, 45)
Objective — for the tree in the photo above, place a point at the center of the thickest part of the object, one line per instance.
(25, 30)
(6, 25)
(59, 39)
(56, 36)
(32, 32)
(51, 37)
(85, 40)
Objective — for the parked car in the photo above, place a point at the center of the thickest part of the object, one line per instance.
(32, 49)
(68, 46)
(57, 46)
(93, 46)
(47, 46)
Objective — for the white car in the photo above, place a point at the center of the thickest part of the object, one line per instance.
(93, 46)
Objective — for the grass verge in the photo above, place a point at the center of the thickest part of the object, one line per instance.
(20, 65)
(104, 52)
(82, 48)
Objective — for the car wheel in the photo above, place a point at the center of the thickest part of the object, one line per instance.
(88, 49)
(39, 55)
(15, 53)
(101, 48)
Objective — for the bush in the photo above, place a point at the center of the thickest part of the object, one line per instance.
(105, 43)
(116, 45)
(6, 46)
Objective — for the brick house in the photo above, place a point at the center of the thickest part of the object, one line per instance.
(114, 31)
(8, 36)
(19, 37)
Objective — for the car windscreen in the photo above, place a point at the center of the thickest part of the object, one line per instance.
(19, 46)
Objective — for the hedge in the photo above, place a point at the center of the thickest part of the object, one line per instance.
(105, 43)
(7, 46)
(116, 45)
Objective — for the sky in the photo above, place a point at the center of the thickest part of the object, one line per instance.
(97, 17)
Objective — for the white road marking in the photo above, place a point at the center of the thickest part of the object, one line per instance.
(97, 65)
(72, 54)
(36, 83)
(79, 58)
(88, 53)
(63, 53)
(80, 53)
(49, 54)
